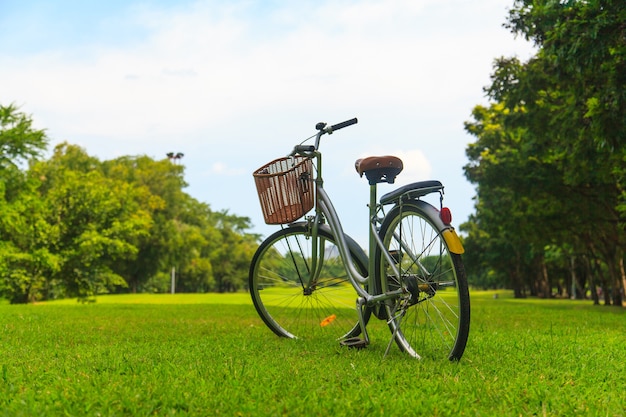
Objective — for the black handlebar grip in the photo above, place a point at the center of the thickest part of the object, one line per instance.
(344, 124)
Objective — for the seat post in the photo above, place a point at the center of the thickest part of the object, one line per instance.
(372, 220)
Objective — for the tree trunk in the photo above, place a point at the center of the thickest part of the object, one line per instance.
(592, 281)
(572, 265)
(616, 282)
(623, 280)
(544, 291)
(516, 280)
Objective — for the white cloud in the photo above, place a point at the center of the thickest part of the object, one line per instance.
(223, 169)
(206, 65)
(416, 167)
(231, 83)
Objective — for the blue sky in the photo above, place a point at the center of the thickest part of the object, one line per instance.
(234, 84)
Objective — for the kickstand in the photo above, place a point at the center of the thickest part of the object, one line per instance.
(395, 331)
(360, 306)
(358, 342)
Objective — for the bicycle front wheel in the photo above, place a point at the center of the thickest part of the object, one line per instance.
(432, 318)
(301, 296)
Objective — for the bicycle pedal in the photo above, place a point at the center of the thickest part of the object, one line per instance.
(354, 342)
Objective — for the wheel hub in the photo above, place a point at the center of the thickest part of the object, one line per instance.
(416, 287)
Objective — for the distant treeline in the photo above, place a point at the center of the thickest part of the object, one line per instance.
(75, 226)
(549, 161)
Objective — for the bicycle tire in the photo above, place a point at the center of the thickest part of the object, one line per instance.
(278, 270)
(433, 319)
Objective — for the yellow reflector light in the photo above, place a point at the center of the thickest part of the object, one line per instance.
(453, 241)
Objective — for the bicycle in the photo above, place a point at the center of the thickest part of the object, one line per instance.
(303, 277)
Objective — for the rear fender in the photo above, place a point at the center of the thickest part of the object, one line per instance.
(449, 234)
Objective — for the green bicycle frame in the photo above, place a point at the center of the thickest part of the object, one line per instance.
(325, 211)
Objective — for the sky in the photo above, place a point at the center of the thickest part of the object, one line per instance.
(233, 84)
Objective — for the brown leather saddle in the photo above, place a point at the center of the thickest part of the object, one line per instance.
(379, 168)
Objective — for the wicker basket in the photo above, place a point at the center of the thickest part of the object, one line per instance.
(285, 189)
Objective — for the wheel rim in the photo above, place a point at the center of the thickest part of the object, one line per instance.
(428, 320)
(296, 302)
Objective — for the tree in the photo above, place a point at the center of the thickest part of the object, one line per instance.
(19, 141)
(209, 251)
(25, 259)
(73, 225)
(567, 104)
(98, 221)
(161, 184)
(232, 254)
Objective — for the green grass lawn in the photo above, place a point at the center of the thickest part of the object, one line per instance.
(168, 354)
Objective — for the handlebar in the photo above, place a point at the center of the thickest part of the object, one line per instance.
(343, 124)
(322, 128)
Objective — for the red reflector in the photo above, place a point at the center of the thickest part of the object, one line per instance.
(446, 216)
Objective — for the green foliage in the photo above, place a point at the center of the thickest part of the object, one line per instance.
(184, 355)
(549, 155)
(27, 259)
(73, 225)
(97, 220)
(19, 142)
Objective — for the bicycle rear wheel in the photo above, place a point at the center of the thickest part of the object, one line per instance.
(301, 297)
(433, 318)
